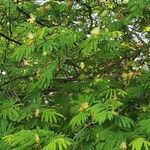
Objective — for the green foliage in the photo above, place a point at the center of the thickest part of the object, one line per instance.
(57, 143)
(25, 139)
(123, 122)
(143, 126)
(74, 75)
(9, 110)
(49, 115)
(138, 143)
(79, 120)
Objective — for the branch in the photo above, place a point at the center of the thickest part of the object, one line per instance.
(14, 79)
(138, 37)
(76, 67)
(90, 14)
(28, 16)
(10, 39)
(137, 52)
(9, 34)
(63, 80)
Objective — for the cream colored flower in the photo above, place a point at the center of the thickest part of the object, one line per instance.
(3, 72)
(46, 102)
(125, 1)
(84, 106)
(32, 18)
(31, 36)
(27, 62)
(123, 146)
(95, 31)
(103, 1)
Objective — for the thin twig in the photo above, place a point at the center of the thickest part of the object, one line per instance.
(82, 129)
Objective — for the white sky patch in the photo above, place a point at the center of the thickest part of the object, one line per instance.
(41, 2)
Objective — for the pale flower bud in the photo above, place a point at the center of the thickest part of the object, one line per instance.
(37, 112)
(37, 139)
(123, 146)
(82, 65)
(44, 53)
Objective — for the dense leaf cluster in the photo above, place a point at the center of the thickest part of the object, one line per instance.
(75, 74)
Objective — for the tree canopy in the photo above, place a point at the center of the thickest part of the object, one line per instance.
(74, 74)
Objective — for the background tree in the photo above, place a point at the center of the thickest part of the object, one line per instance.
(74, 75)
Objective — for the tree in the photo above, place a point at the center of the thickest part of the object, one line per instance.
(74, 75)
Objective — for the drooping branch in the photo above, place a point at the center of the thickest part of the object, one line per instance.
(62, 80)
(10, 39)
(14, 79)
